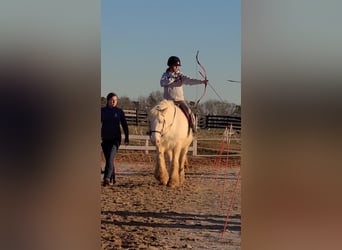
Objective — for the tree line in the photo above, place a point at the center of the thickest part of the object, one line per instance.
(210, 107)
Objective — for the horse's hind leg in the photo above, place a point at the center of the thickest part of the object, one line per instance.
(160, 172)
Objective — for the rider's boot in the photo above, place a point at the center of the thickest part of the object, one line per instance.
(192, 121)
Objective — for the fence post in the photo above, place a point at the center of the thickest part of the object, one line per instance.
(146, 144)
(194, 147)
(136, 118)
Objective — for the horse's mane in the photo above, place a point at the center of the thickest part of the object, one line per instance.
(161, 106)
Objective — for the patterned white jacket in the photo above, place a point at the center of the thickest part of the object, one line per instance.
(173, 84)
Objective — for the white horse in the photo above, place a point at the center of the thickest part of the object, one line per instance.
(170, 132)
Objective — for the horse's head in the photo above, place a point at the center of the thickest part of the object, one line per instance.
(158, 120)
(157, 125)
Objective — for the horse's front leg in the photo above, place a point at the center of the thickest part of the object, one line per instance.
(174, 178)
(182, 160)
(160, 172)
(169, 162)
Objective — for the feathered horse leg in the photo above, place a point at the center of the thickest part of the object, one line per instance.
(174, 178)
(160, 172)
(182, 160)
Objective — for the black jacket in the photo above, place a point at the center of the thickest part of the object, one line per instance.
(111, 118)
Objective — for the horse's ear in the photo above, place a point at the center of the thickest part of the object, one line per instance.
(161, 109)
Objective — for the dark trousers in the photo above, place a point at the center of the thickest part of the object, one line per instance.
(109, 149)
(184, 106)
(189, 114)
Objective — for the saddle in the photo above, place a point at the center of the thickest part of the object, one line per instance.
(189, 117)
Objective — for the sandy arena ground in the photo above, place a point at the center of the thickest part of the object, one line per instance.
(138, 213)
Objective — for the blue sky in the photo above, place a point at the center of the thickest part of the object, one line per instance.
(138, 37)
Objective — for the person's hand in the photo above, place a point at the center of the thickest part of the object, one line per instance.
(126, 141)
(178, 78)
(205, 82)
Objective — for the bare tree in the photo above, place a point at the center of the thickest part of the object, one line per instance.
(154, 98)
(125, 103)
(103, 101)
(210, 107)
(215, 107)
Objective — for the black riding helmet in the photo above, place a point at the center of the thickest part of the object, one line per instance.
(173, 61)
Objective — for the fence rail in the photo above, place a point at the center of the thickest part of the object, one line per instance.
(139, 118)
(147, 146)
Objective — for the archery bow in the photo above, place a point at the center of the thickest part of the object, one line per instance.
(204, 75)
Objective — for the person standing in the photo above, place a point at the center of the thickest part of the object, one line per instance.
(111, 119)
(173, 80)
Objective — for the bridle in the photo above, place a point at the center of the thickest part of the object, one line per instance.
(162, 132)
(158, 131)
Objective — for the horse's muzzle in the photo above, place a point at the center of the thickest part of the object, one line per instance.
(155, 137)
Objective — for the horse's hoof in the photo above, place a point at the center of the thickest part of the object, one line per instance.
(173, 184)
(163, 181)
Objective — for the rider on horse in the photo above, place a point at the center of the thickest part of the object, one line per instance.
(173, 80)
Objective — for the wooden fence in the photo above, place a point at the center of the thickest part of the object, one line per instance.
(139, 118)
(143, 144)
(220, 121)
(147, 145)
